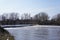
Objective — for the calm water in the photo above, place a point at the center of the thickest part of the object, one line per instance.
(35, 33)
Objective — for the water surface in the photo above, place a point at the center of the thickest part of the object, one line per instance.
(35, 33)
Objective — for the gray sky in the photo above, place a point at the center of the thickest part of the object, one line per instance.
(51, 7)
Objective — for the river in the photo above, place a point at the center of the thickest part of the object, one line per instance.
(35, 33)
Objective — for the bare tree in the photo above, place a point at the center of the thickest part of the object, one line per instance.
(25, 16)
(56, 17)
(13, 16)
(4, 16)
(41, 16)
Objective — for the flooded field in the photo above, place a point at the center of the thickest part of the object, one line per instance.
(35, 33)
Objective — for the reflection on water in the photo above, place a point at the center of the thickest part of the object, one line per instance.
(36, 33)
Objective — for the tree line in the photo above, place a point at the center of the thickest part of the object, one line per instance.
(41, 18)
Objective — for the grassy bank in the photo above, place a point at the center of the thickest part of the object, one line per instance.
(5, 35)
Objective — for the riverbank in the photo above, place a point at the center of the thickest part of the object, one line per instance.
(5, 35)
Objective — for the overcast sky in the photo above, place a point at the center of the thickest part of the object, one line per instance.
(51, 7)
